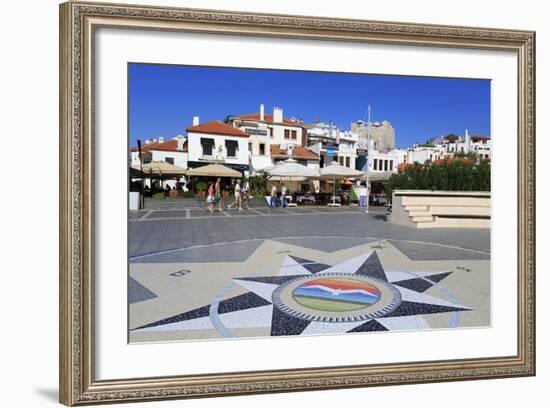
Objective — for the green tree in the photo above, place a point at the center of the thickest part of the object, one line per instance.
(451, 137)
(468, 156)
(456, 175)
(258, 183)
(201, 186)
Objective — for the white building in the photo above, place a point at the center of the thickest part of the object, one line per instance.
(481, 146)
(217, 142)
(442, 148)
(383, 162)
(172, 151)
(332, 144)
(422, 153)
(401, 155)
(266, 130)
(302, 155)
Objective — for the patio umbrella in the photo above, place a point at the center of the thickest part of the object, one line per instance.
(290, 168)
(337, 171)
(161, 168)
(214, 170)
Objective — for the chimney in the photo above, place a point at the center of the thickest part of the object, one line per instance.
(290, 150)
(277, 115)
(195, 121)
(181, 142)
(261, 111)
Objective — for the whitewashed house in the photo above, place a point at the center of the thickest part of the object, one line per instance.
(266, 130)
(217, 142)
(422, 153)
(444, 149)
(332, 144)
(481, 146)
(173, 151)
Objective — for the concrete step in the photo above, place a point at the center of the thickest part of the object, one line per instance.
(423, 219)
(437, 201)
(416, 208)
(420, 214)
(464, 210)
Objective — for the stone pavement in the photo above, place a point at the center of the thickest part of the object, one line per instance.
(154, 231)
(300, 271)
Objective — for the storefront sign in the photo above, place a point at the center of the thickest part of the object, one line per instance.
(255, 131)
(327, 145)
(361, 152)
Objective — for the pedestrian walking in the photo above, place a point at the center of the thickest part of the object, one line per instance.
(237, 201)
(273, 199)
(244, 195)
(283, 195)
(210, 198)
(363, 196)
(218, 194)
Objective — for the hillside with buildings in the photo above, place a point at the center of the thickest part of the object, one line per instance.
(253, 141)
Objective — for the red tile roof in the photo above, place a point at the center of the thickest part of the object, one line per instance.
(267, 118)
(452, 159)
(298, 152)
(402, 166)
(169, 146)
(478, 137)
(217, 128)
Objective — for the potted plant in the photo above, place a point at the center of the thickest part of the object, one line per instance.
(201, 188)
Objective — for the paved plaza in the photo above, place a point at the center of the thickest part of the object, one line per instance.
(299, 271)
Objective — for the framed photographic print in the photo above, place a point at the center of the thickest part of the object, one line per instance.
(256, 203)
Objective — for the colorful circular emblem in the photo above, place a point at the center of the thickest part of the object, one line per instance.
(336, 297)
(336, 294)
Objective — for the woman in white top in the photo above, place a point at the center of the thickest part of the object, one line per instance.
(244, 195)
(237, 201)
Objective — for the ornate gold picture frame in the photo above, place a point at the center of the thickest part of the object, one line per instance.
(79, 22)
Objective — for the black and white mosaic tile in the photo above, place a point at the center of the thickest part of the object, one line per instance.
(255, 307)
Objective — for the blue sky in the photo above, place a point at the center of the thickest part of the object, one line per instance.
(164, 98)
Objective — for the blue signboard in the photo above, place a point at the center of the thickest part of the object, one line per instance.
(330, 152)
(328, 145)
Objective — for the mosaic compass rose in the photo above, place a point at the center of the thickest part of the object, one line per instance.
(309, 297)
(336, 297)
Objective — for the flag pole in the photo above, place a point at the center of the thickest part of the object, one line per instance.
(368, 158)
(141, 199)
